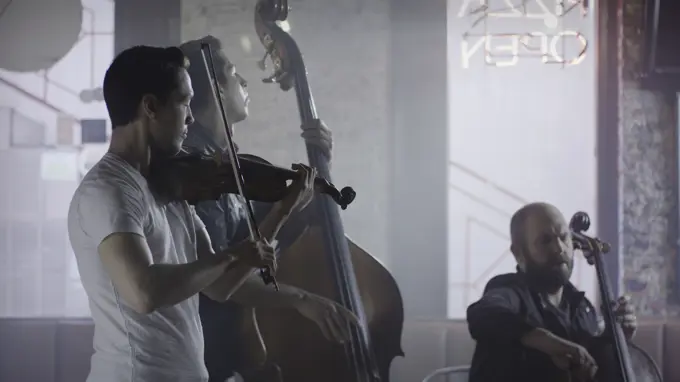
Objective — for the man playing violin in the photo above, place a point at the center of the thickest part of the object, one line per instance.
(143, 260)
(534, 324)
(225, 218)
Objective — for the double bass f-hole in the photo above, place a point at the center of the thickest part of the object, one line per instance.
(350, 274)
(290, 72)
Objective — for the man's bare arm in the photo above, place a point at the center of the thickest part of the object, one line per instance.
(145, 286)
(256, 294)
(227, 284)
(274, 221)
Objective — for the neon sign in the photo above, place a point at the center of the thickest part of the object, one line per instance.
(505, 49)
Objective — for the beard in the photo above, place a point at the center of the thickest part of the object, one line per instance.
(548, 277)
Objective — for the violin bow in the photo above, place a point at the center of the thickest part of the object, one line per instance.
(253, 228)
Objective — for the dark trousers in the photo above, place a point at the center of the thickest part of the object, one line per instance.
(219, 321)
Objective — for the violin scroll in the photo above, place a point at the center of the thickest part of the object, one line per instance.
(343, 197)
(347, 195)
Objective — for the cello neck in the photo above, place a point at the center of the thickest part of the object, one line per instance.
(622, 355)
(593, 249)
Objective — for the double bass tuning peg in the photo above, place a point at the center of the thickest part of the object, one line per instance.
(270, 80)
(262, 64)
(276, 77)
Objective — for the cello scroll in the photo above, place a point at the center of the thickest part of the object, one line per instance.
(580, 223)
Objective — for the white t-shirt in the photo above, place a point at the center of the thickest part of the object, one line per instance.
(166, 345)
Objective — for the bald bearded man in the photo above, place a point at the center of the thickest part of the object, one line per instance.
(533, 324)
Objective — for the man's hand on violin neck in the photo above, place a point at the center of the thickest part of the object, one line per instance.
(318, 134)
(301, 191)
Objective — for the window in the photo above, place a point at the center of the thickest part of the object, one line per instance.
(26, 132)
(39, 276)
(23, 294)
(522, 129)
(5, 269)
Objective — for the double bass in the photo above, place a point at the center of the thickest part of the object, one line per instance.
(281, 345)
(618, 360)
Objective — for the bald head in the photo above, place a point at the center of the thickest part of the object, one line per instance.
(541, 242)
(532, 213)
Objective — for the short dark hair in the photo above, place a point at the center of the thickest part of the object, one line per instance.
(138, 71)
(200, 80)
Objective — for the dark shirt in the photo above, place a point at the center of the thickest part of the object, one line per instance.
(508, 309)
(225, 222)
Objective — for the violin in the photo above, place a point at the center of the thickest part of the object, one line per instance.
(617, 359)
(197, 177)
(322, 260)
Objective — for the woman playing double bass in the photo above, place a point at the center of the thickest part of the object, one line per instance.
(350, 295)
(225, 220)
(535, 324)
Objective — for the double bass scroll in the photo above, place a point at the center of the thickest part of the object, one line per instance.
(283, 346)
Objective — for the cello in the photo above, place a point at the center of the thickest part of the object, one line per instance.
(281, 345)
(618, 360)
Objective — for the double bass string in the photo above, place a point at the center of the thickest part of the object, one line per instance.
(362, 364)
